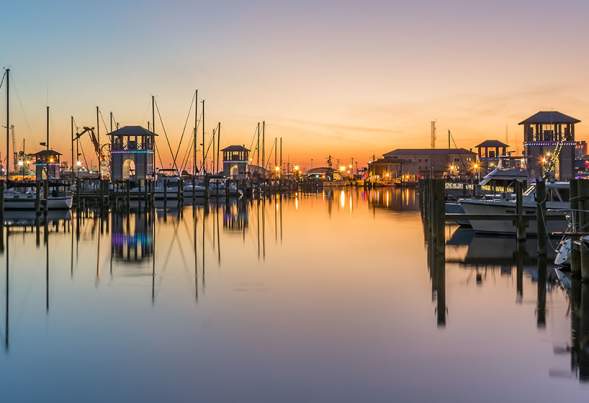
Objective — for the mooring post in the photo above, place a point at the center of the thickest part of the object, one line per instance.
(165, 193)
(519, 211)
(583, 210)
(1, 203)
(541, 216)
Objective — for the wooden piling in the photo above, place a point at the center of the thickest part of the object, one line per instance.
(541, 217)
(519, 211)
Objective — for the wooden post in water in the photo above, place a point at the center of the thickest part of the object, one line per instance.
(519, 211)
(165, 194)
(583, 209)
(541, 217)
(575, 247)
(2, 184)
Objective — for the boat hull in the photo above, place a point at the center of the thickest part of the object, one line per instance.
(506, 226)
(28, 203)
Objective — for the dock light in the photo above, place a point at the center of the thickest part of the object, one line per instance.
(342, 168)
(79, 163)
(543, 160)
(20, 163)
(277, 169)
(297, 168)
(548, 153)
(51, 159)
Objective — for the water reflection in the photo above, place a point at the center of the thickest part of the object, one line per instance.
(344, 293)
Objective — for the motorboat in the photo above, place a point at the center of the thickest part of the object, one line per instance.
(557, 206)
(25, 199)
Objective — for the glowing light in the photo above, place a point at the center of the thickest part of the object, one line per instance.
(342, 168)
(277, 169)
(20, 163)
(297, 168)
(79, 163)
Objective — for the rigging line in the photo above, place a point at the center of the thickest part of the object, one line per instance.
(106, 127)
(84, 156)
(3, 77)
(269, 157)
(166, 135)
(157, 151)
(21, 105)
(185, 123)
(186, 157)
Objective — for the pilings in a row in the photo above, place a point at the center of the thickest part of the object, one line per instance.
(579, 196)
(432, 202)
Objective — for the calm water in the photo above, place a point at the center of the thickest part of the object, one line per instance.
(314, 298)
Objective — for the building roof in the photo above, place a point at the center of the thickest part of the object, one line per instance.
(491, 143)
(132, 131)
(387, 161)
(46, 153)
(549, 117)
(400, 152)
(235, 148)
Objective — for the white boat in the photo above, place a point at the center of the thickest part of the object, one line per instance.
(24, 199)
(557, 204)
(563, 253)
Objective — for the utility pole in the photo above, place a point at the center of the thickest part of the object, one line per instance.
(7, 121)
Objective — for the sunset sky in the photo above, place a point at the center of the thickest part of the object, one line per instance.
(350, 79)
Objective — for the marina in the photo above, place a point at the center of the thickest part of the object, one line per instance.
(296, 201)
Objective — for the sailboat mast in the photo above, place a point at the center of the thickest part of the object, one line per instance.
(194, 145)
(264, 144)
(203, 138)
(7, 122)
(47, 131)
(153, 129)
(258, 145)
(218, 145)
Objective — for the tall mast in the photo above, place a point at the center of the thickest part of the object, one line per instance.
(218, 145)
(275, 152)
(153, 129)
(47, 131)
(280, 172)
(98, 134)
(213, 162)
(110, 116)
(264, 144)
(72, 135)
(258, 145)
(203, 138)
(194, 145)
(7, 122)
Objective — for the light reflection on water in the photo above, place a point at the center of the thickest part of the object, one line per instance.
(329, 297)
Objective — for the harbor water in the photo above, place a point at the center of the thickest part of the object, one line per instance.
(323, 297)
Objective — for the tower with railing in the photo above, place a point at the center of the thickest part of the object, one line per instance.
(132, 153)
(549, 141)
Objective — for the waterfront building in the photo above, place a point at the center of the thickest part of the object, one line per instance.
(235, 161)
(550, 134)
(416, 163)
(489, 152)
(47, 164)
(132, 153)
